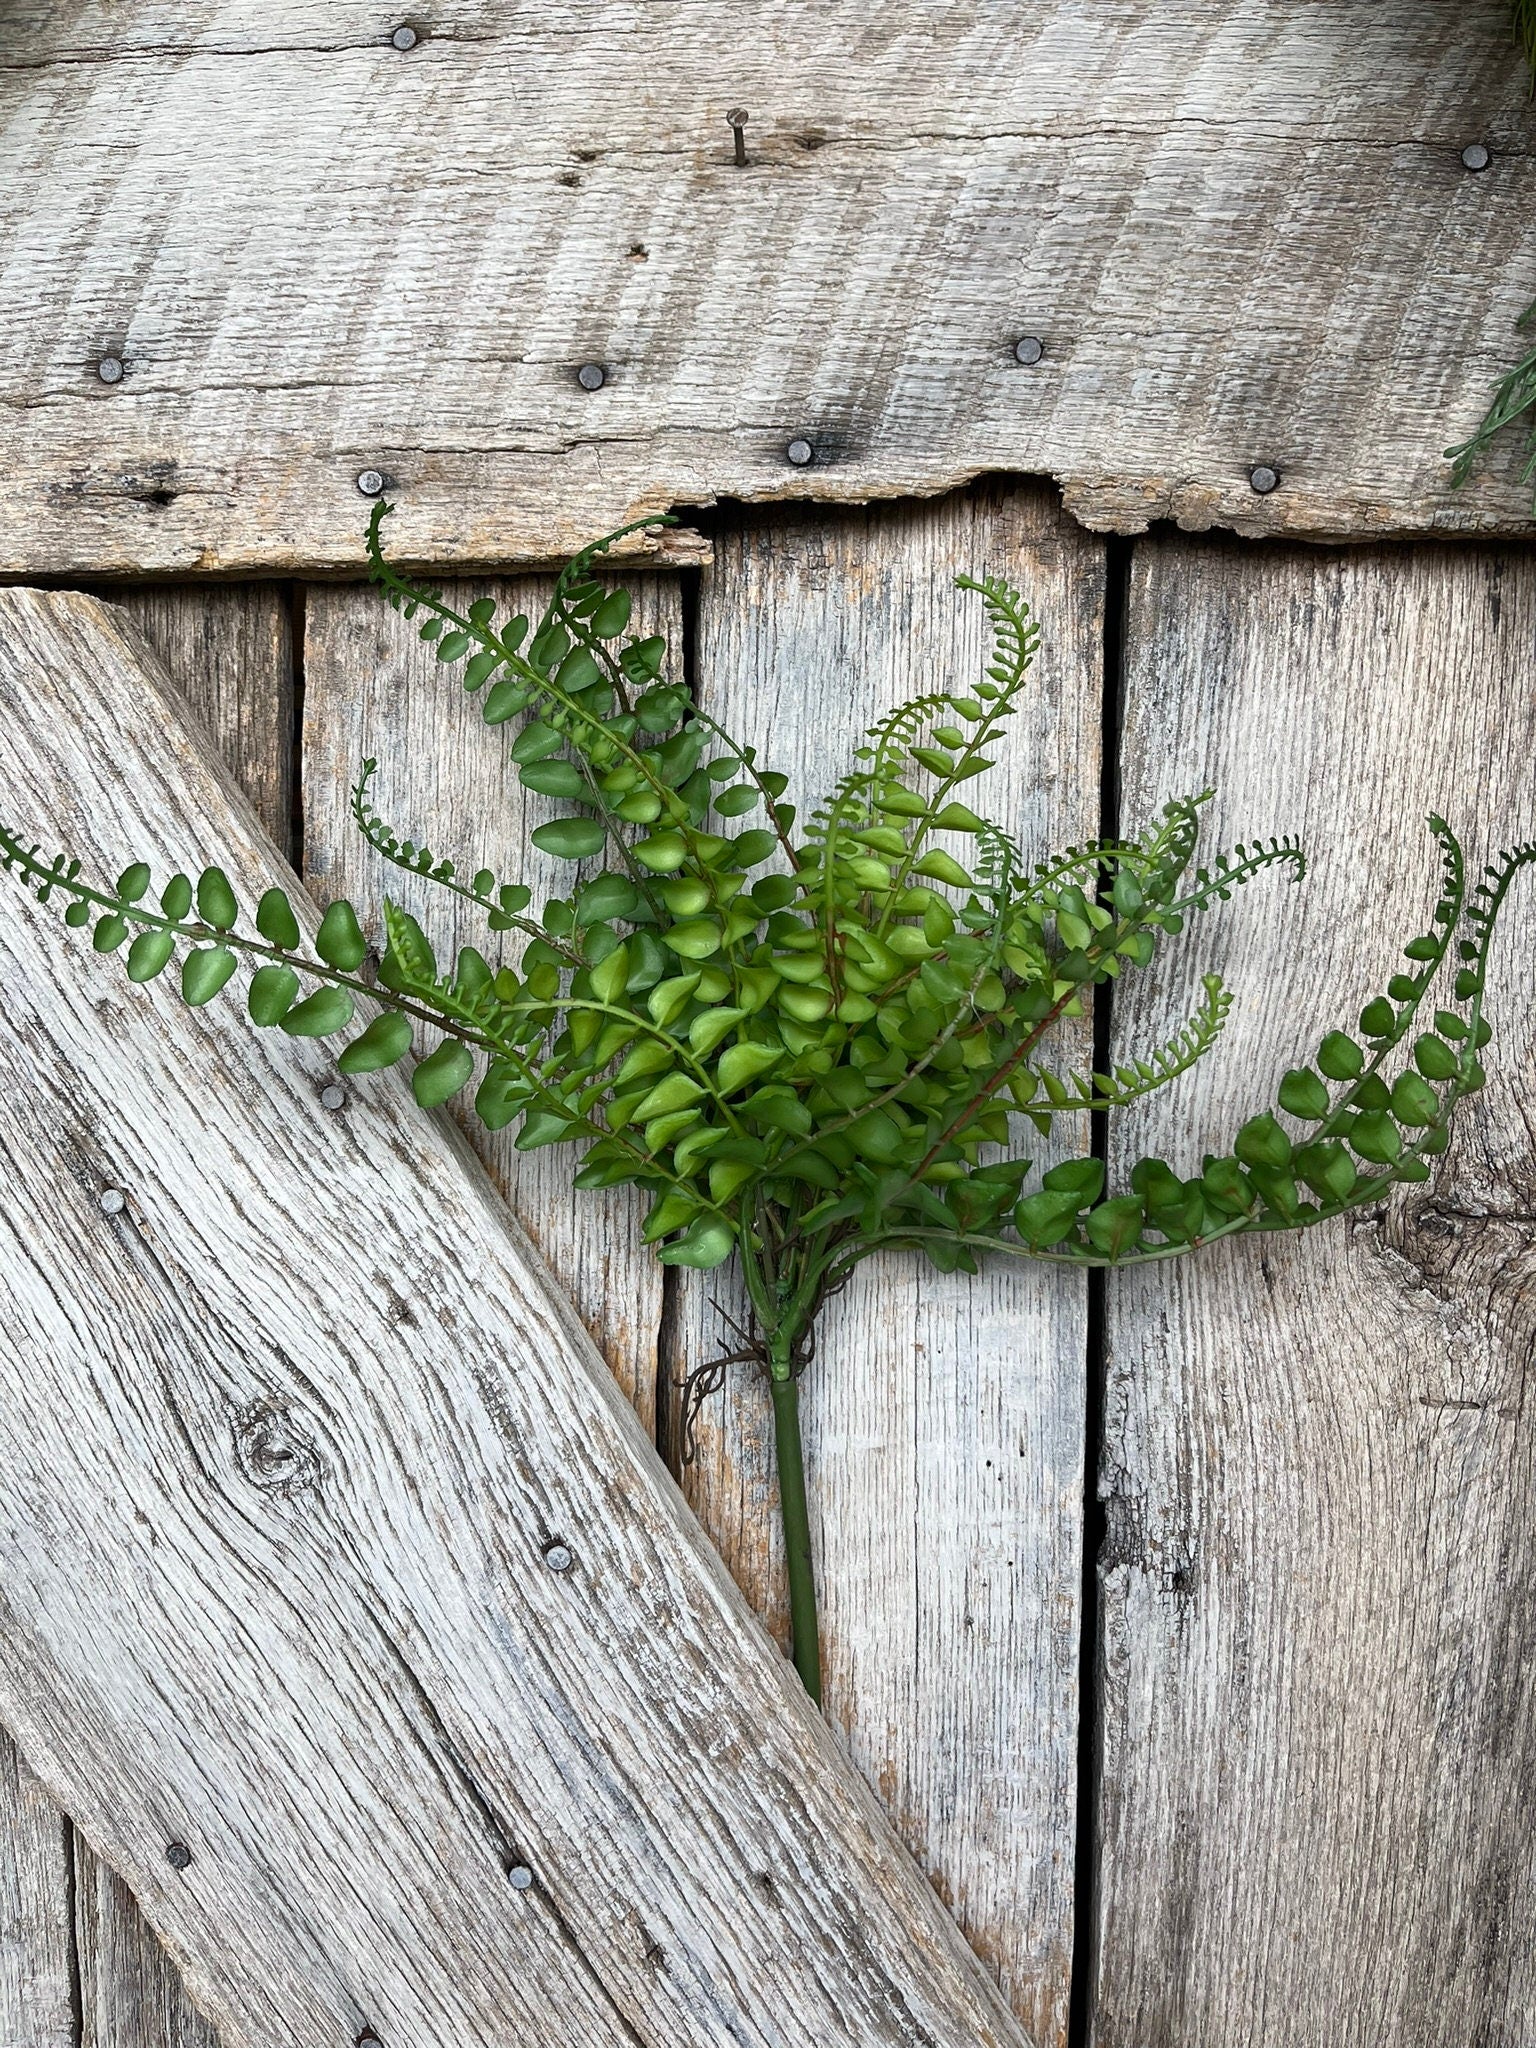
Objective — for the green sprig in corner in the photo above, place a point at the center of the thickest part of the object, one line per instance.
(809, 1042)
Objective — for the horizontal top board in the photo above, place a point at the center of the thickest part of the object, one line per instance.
(244, 263)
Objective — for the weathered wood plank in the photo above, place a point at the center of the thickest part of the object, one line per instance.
(1241, 229)
(372, 688)
(37, 2003)
(131, 1995)
(943, 1415)
(1320, 1740)
(228, 648)
(315, 1411)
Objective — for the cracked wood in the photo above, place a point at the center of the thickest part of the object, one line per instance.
(943, 1414)
(359, 1701)
(1318, 1619)
(1243, 233)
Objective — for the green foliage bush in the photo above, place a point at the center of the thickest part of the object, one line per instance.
(811, 1038)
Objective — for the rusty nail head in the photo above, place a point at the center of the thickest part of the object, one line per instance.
(178, 1855)
(1029, 348)
(737, 117)
(333, 1097)
(404, 37)
(800, 452)
(520, 1877)
(558, 1557)
(110, 370)
(113, 1201)
(1477, 156)
(1264, 479)
(591, 376)
(370, 482)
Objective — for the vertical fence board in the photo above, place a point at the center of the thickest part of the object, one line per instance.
(943, 1415)
(372, 688)
(36, 1938)
(1319, 1611)
(228, 649)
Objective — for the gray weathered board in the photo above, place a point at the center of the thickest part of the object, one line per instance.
(1241, 229)
(283, 1456)
(1319, 1615)
(943, 1415)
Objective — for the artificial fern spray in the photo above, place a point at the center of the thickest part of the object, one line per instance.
(807, 1040)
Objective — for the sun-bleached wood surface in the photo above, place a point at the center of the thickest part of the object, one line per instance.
(284, 1452)
(1318, 1629)
(1241, 230)
(37, 2007)
(374, 689)
(228, 650)
(943, 1414)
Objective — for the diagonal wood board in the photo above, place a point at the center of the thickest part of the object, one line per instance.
(286, 1441)
(1242, 232)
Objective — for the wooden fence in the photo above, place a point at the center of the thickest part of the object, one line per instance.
(1178, 1622)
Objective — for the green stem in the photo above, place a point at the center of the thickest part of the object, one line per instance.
(794, 1512)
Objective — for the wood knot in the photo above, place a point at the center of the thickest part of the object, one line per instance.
(274, 1452)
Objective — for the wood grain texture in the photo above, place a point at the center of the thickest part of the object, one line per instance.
(228, 648)
(37, 2003)
(285, 1443)
(943, 1415)
(1242, 230)
(372, 688)
(131, 1994)
(1318, 1621)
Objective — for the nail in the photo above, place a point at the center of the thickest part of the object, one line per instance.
(113, 1201)
(333, 1097)
(1477, 156)
(110, 370)
(1029, 348)
(520, 1877)
(178, 1855)
(404, 37)
(800, 452)
(591, 376)
(370, 482)
(737, 116)
(1264, 479)
(558, 1557)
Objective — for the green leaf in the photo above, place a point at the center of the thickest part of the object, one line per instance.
(668, 997)
(611, 616)
(339, 941)
(710, 1026)
(1414, 1102)
(570, 838)
(1261, 1142)
(1339, 1057)
(542, 1127)
(386, 1040)
(204, 973)
(271, 995)
(707, 1243)
(150, 951)
(276, 922)
(1303, 1095)
(611, 975)
(938, 866)
(442, 1073)
(740, 1064)
(109, 934)
(1376, 1137)
(733, 803)
(675, 1092)
(1327, 1170)
(216, 903)
(1113, 1227)
(1081, 1178)
(663, 853)
(554, 777)
(133, 883)
(327, 1010)
(1434, 1058)
(501, 1095)
(176, 896)
(956, 818)
(1378, 1018)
